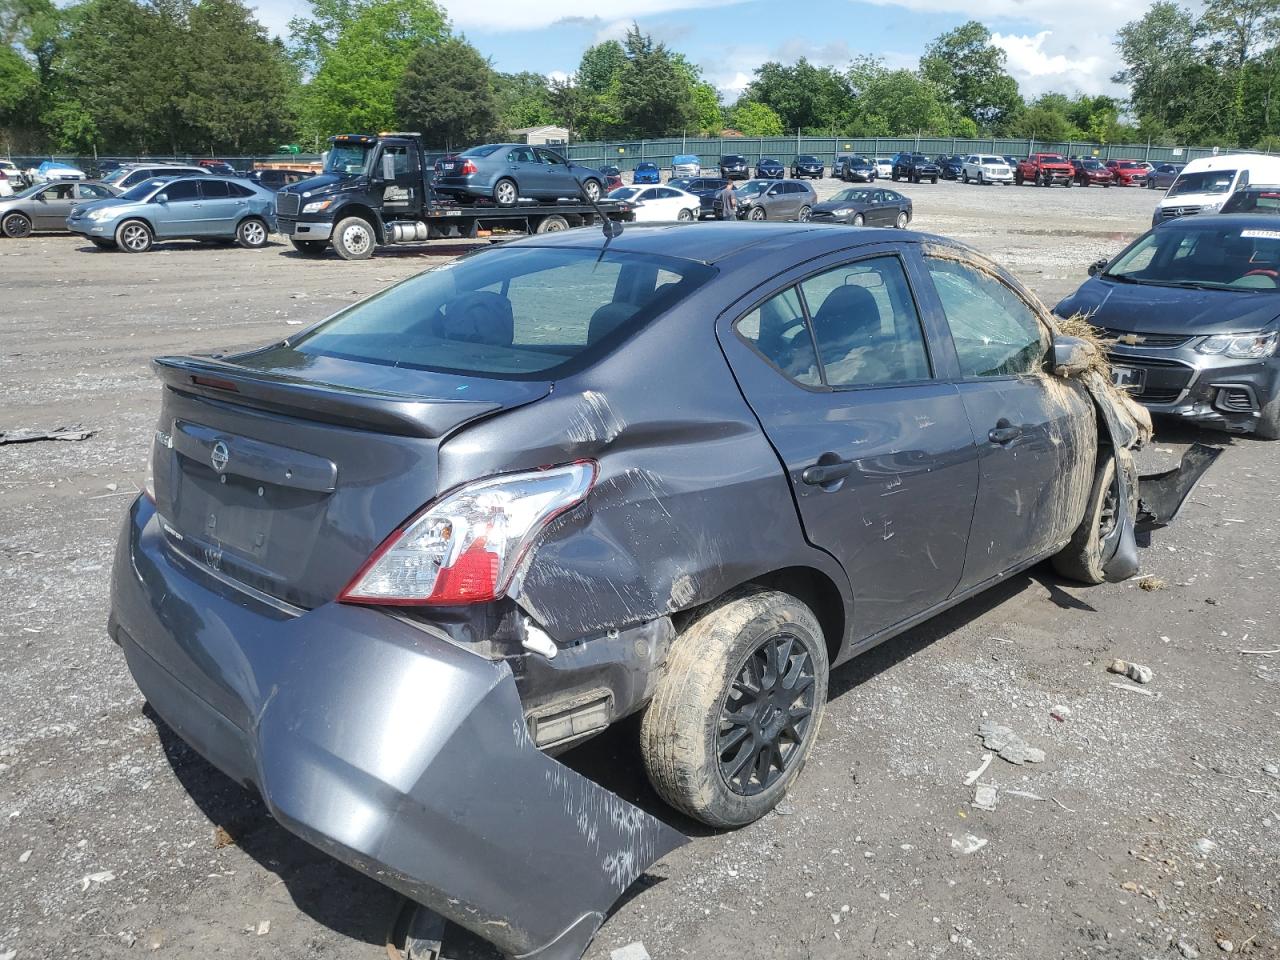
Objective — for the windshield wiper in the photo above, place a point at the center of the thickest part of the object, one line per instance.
(1122, 278)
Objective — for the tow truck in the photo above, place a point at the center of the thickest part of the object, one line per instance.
(376, 190)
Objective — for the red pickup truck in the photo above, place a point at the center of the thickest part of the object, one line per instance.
(1044, 170)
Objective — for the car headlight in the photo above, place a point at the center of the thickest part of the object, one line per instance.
(1240, 346)
(96, 215)
(315, 206)
(843, 211)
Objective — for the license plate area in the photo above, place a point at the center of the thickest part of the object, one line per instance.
(1133, 379)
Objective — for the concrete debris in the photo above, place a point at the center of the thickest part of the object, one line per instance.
(972, 776)
(1187, 950)
(970, 844)
(632, 951)
(1226, 946)
(984, 798)
(26, 855)
(89, 879)
(1132, 689)
(8, 954)
(1007, 744)
(1134, 671)
(264, 927)
(26, 435)
(1271, 769)
(1024, 794)
(1204, 846)
(1060, 713)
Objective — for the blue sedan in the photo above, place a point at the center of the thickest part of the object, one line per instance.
(166, 208)
(646, 173)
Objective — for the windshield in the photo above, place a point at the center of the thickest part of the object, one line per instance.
(685, 159)
(851, 196)
(1224, 257)
(991, 160)
(646, 166)
(143, 190)
(348, 158)
(1207, 181)
(807, 159)
(516, 313)
(1051, 158)
(752, 187)
(733, 158)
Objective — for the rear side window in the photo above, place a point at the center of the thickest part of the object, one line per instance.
(519, 313)
(239, 190)
(214, 189)
(780, 333)
(866, 324)
(996, 333)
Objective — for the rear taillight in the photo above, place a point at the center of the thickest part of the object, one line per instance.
(467, 547)
(468, 168)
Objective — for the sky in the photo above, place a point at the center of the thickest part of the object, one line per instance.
(1061, 45)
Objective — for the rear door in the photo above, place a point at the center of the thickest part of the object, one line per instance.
(219, 210)
(523, 166)
(1035, 432)
(53, 206)
(878, 450)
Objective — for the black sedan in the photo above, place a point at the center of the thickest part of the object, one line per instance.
(915, 167)
(951, 166)
(858, 170)
(706, 189)
(734, 166)
(767, 169)
(807, 166)
(865, 207)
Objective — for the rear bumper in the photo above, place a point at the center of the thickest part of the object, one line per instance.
(394, 750)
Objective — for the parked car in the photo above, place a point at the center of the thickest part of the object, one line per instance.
(986, 168)
(734, 166)
(768, 199)
(884, 166)
(51, 171)
(220, 167)
(1204, 185)
(706, 189)
(1193, 308)
(389, 643)
(17, 179)
(1090, 171)
(1255, 198)
(107, 167)
(129, 176)
(686, 165)
(1129, 173)
(646, 172)
(1162, 177)
(768, 169)
(951, 166)
(859, 170)
(46, 206)
(1044, 170)
(6, 188)
(915, 167)
(1011, 161)
(612, 177)
(865, 206)
(807, 166)
(185, 208)
(659, 204)
(275, 178)
(507, 172)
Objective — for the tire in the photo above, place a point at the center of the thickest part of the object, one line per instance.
(16, 226)
(1268, 427)
(103, 244)
(1017, 180)
(894, 176)
(902, 221)
(979, 178)
(310, 248)
(859, 219)
(134, 236)
(354, 239)
(506, 193)
(1067, 183)
(805, 214)
(757, 213)
(933, 180)
(591, 191)
(685, 216)
(965, 176)
(551, 224)
(252, 234)
(736, 641)
(1081, 558)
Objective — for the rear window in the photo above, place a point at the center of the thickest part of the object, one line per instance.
(483, 151)
(518, 313)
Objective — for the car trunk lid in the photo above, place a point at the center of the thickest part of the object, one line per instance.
(285, 481)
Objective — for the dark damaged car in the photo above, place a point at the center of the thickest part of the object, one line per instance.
(1193, 310)
(390, 566)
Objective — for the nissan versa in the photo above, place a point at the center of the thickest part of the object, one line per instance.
(388, 567)
(1193, 308)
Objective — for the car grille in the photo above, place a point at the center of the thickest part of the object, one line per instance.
(1165, 381)
(1236, 399)
(1168, 213)
(1162, 340)
(287, 204)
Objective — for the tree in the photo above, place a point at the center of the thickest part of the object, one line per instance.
(601, 68)
(359, 69)
(19, 86)
(755, 119)
(446, 93)
(898, 102)
(1236, 29)
(1157, 50)
(654, 96)
(970, 71)
(523, 100)
(805, 96)
(239, 87)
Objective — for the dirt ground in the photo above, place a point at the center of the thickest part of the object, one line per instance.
(1151, 829)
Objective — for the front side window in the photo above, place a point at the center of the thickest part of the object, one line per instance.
(866, 324)
(779, 332)
(996, 333)
(180, 190)
(348, 158)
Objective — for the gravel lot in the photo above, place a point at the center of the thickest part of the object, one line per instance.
(1153, 822)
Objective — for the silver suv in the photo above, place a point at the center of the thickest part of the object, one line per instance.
(127, 177)
(775, 200)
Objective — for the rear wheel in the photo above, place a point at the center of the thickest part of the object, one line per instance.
(1081, 559)
(505, 193)
(354, 239)
(252, 233)
(310, 248)
(736, 714)
(16, 226)
(134, 236)
(806, 212)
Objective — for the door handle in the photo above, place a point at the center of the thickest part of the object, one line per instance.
(1004, 432)
(820, 473)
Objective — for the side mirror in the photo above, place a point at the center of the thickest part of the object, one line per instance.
(1098, 266)
(160, 198)
(1072, 356)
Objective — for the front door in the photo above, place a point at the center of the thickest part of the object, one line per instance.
(878, 451)
(179, 213)
(560, 182)
(527, 172)
(879, 213)
(53, 206)
(402, 180)
(1033, 430)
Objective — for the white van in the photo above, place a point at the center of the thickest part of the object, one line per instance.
(1204, 185)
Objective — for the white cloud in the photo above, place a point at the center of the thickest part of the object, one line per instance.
(1039, 64)
(523, 15)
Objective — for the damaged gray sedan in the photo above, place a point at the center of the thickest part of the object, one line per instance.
(388, 568)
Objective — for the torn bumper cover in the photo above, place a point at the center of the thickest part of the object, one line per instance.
(395, 751)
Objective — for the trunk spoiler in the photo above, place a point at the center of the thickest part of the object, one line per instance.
(362, 408)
